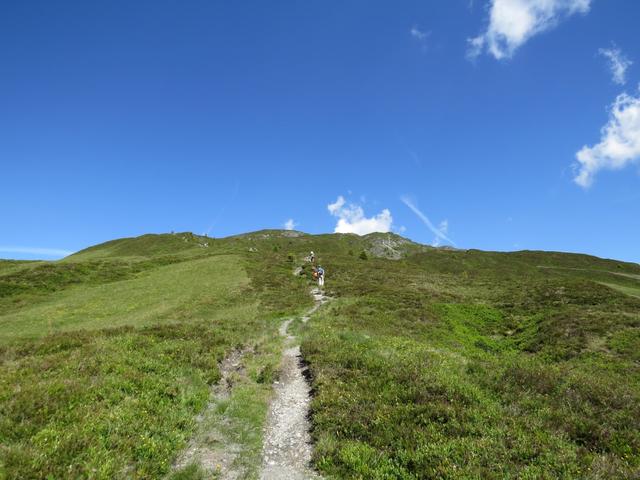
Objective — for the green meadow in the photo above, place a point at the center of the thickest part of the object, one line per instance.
(108, 356)
(427, 363)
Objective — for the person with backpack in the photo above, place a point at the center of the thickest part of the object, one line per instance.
(320, 276)
(312, 257)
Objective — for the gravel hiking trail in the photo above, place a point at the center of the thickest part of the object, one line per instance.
(286, 453)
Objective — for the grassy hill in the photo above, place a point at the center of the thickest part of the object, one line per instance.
(428, 363)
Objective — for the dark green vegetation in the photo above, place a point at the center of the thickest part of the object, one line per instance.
(428, 363)
(469, 364)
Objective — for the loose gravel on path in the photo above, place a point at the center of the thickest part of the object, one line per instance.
(287, 443)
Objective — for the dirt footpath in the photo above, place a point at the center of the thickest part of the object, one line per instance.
(287, 443)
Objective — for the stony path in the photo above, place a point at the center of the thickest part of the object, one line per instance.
(287, 444)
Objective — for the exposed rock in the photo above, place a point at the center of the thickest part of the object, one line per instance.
(388, 247)
(292, 234)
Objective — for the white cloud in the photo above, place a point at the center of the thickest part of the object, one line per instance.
(290, 224)
(440, 232)
(351, 218)
(418, 34)
(513, 22)
(618, 63)
(619, 143)
(334, 208)
(47, 252)
(421, 36)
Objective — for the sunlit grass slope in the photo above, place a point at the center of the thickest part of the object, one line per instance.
(164, 294)
(428, 363)
(108, 356)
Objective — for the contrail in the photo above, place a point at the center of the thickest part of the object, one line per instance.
(223, 208)
(425, 220)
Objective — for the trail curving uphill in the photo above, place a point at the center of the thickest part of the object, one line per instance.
(286, 453)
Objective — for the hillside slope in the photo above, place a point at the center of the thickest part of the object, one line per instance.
(428, 363)
(469, 364)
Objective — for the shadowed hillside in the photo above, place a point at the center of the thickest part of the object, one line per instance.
(427, 363)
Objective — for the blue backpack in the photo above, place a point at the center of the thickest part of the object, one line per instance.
(320, 271)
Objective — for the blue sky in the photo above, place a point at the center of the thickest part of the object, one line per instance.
(490, 124)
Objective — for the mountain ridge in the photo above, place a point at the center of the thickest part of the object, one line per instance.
(192, 240)
(426, 363)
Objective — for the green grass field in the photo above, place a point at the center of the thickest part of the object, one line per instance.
(107, 358)
(428, 363)
(164, 294)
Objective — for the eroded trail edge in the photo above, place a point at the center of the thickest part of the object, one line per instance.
(287, 447)
(204, 449)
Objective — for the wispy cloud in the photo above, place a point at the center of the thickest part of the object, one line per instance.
(410, 152)
(418, 34)
(443, 227)
(618, 63)
(619, 142)
(229, 200)
(47, 252)
(290, 224)
(351, 218)
(421, 36)
(440, 232)
(514, 22)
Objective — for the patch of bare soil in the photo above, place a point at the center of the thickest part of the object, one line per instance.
(209, 448)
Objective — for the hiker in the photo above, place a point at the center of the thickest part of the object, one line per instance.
(320, 272)
(314, 273)
(312, 257)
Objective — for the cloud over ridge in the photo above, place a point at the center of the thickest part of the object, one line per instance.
(351, 218)
(47, 252)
